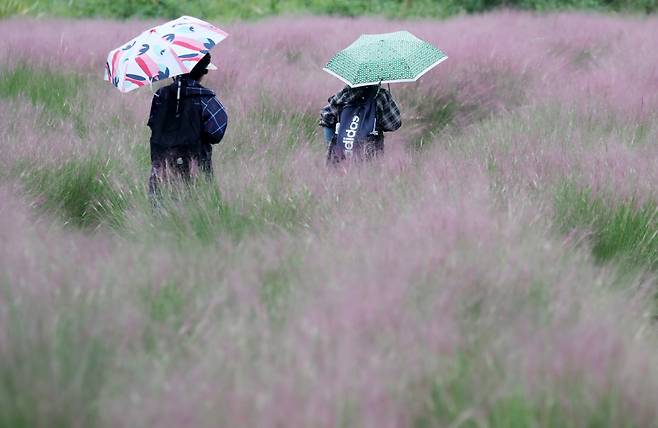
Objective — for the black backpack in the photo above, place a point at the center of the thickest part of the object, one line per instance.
(178, 121)
(357, 124)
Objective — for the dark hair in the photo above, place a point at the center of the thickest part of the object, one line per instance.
(362, 92)
(201, 68)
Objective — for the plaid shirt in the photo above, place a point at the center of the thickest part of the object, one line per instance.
(213, 113)
(388, 113)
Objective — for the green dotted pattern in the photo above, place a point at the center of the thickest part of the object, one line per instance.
(384, 57)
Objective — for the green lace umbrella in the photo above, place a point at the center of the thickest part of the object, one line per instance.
(386, 58)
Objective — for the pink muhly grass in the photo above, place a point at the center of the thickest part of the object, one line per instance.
(348, 309)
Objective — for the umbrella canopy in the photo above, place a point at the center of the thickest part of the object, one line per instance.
(164, 51)
(384, 58)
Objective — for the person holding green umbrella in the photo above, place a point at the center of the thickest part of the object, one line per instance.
(365, 109)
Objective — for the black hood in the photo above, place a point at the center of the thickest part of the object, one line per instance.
(189, 88)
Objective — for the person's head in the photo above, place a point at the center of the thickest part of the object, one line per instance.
(200, 69)
(364, 91)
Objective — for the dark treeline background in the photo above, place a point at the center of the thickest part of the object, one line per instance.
(239, 9)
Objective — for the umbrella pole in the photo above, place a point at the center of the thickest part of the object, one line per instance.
(178, 98)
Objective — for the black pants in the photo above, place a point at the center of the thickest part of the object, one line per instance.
(178, 164)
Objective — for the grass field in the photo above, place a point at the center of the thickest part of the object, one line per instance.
(497, 268)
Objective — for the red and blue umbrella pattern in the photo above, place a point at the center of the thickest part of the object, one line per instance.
(164, 51)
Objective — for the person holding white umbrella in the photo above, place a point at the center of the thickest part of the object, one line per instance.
(186, 118)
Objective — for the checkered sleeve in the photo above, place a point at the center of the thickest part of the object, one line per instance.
(329, 114)
(388, 112)
(215, 120)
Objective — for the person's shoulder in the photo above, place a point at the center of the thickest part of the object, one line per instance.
(208, 92)
(341, 96)
(384, 94)
(203, 91)
(346, 91)
(192, 88)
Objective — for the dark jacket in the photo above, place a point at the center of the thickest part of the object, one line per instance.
(211, 114)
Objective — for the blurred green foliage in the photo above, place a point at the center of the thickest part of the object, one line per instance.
(455, 396)
(15, 7)
(626, 232)
(198, 211)
(80, 190)
(235, 9)
(53, 91)
(63, 353)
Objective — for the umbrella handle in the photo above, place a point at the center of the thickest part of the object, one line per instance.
(151, 86)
